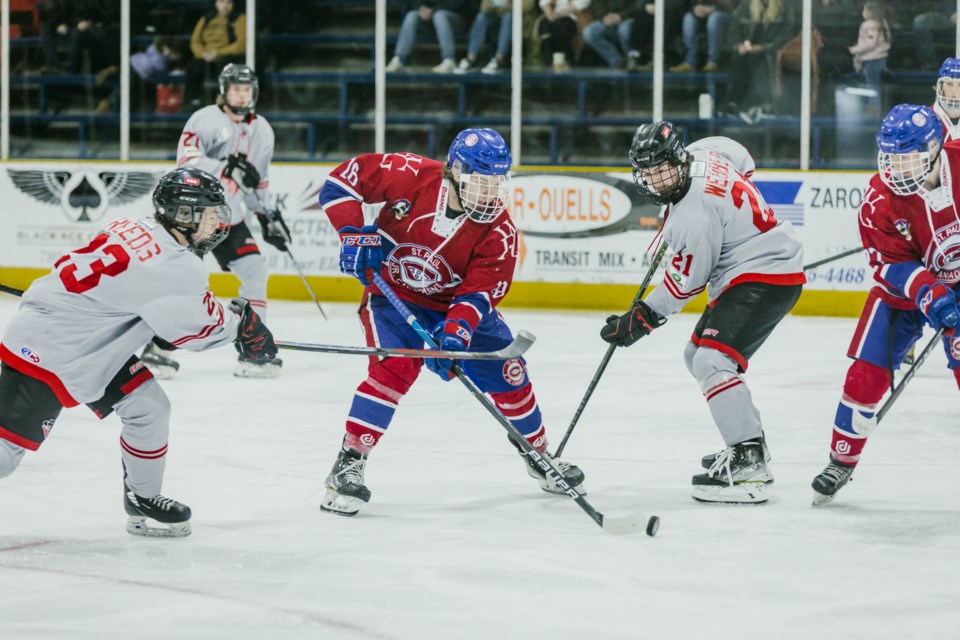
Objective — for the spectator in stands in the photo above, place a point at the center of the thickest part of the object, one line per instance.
(941, 17)
(757, 30)
(556, 31)
(871, 50)
(609, 34)
(835, 20)
(493, 24)
(219, 38)
(640, 52)
(705, 16)
(448, 18)
(91, 29)
(147, 70)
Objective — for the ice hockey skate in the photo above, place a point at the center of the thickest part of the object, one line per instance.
(160, 362)
(737, 476)
(250, 368)
(346, 492)
(830, 481)
(173, 516)
(570, 472)
(707, 461)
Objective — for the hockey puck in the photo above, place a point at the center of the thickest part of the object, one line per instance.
(653, 525)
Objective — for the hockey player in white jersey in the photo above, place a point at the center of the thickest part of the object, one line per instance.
(724, 239)
(231, 141)
(74, 337)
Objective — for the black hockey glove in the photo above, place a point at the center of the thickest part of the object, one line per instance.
(626, 329)
(275, 230)
(254, 340)
(241, 171)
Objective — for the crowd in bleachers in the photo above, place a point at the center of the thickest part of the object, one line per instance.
(752, 46)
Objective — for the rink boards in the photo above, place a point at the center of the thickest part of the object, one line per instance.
(584, 242)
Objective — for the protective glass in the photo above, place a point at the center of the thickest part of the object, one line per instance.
(483, 197)
(948, 93)
(904, 173)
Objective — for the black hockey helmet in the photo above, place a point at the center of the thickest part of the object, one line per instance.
(236, 73)
(192, 202)
(655, 144)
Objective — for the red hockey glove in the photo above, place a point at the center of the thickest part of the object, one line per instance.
(626, 329)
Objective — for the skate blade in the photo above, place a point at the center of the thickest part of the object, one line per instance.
(820, 499)
(250, 370)
(139, 526)
(340, 505)
(557, 491)
(744, 493)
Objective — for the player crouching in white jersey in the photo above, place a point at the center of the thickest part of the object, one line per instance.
(724, 239)
(233, 142)
(72, 338)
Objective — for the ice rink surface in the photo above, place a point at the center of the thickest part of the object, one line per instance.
(458, 542)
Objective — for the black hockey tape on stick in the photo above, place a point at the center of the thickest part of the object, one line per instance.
(908, 375)
(14, 292)
(819, 263)
(515, 349)
(303, 278)
(609, 354)
(633, 523)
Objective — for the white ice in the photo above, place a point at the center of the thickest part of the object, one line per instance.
(458, 542)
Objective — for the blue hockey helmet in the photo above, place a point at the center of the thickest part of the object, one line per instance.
(948, 82)
(480, 160)
(904, 158)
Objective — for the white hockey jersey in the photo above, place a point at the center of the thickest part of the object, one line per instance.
(722, 232)
(102, 303)
(210, 136)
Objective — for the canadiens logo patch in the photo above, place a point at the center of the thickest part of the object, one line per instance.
(471, 140)
(30, 355)
(955, 348)
(944, 254)
(904, 228)
(514, 372)
(400, 209)
(919, 119)
(421, 270)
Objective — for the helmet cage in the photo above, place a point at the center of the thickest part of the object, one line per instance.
(235, 73)
(905, 173)
(483, 196)
(205, 226)
(192, 202)
(951, 104)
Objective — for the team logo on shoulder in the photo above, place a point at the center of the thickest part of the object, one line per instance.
(400, 209)
(30, 355)
(904, 228)
(514, 372)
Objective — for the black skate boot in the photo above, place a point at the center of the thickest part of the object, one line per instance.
(831, 480)
(346, 492)
(737, 476)
(160, 362)
(172, 514)
(570, 472)
(249, 368)
(707, 461)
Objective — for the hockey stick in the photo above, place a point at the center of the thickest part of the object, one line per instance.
(14, 292)
(609, 354)
(288, 241)
(908, 375)
(515, 349)
(633, 523)
(818, 263)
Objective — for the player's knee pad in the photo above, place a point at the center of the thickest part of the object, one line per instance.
(865, 383)
(711, 367)
(145, 413)
(10, 457)
(396, 374)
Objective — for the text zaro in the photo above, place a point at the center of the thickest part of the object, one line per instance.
(836, 197)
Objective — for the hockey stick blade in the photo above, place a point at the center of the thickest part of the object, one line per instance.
(515, 349)
(633, 523)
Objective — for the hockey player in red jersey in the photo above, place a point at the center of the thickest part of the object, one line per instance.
(235, 144)
(947, 105)
(449, 249)
(73, 339)
(910, 227)
(725, 239)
